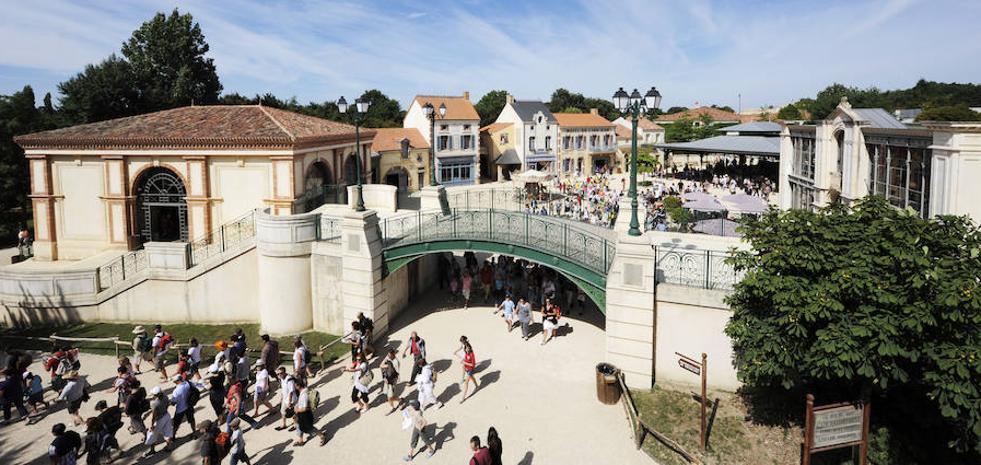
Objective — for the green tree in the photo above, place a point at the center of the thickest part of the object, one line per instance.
(948, 113)
(490, 105)
(563, 98)
(866, 301)
(103, 91)
(724, 108)
(673, 110)
(789, 113)
(571, 110)
(685, 129)
(167, 55)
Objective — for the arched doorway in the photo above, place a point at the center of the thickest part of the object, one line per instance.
(398, 177)
(316, 188)
(161, 207)
(318, 176)
(839, 137)
(350, 170)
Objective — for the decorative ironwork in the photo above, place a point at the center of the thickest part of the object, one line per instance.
(124, 267)
(695, 268)
(159, 197)
(556, 237)
(229, 236)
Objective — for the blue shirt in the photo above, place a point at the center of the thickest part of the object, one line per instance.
(508, 306)
(180, 396)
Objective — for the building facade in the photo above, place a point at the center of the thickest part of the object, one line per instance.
(536, 133)
(401, 158)
(587, 144)
(648, 132)
(177, 175)
(498, 157)
(456, 145)
(860, 151)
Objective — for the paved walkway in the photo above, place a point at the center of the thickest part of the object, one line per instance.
(541, 399)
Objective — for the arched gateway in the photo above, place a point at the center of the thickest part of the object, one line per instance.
(161, 207)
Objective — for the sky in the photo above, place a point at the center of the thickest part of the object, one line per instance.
(694, 51)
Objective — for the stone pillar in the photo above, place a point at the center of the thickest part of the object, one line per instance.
(198, 198)
(284, 185)
(167, 259)
(622, 224)
(115, 197)
(630, 312)
(43, 201)
(283, 246)
(362, 286)
(429, 197)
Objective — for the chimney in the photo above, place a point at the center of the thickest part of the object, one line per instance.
(509, 98)
(594, 111)
(466, 95)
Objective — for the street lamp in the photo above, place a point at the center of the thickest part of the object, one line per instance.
(430, 113)
(634, 105)
(360, 108)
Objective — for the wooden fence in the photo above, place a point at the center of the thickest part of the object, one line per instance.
(641, 429)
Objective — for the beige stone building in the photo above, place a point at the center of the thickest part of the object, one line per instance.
(498, 157)
(402, 158)
(587, 144)
(176, 175)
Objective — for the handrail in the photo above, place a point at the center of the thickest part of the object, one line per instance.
(228, 236)
(706, 269)
(121, 268)
(641, 429)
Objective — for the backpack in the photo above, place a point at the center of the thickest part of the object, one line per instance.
(147, 344)
(193, 396)
(165, 341)
(314, 399)
(307, 355)
(433, 377)
(366, 378)
(223, 442)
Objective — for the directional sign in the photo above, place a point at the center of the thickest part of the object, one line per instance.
(837, 426)
(690, 366)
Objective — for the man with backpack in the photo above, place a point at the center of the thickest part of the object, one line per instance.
(417, 346)
(214, 445)
(184, 398)
(142, 347)
(161, 343)
(136, 405)
(112, 420)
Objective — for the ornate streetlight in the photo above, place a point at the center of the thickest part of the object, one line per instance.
(361, 107)
(634, 105)
(430, 113)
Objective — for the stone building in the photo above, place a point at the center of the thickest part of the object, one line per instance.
(536, 133)
(176, 175)
(587, 144)
(456, 142)
(498, 157)
(401, 158)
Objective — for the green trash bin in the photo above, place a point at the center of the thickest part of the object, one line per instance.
(607, 387)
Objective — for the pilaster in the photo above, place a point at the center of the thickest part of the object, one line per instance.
(43, 202)
(362, 288)
(430, 197)
(630, 312)
(198, 197)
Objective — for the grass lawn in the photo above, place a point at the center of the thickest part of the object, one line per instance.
(182, 333)
(733, 440)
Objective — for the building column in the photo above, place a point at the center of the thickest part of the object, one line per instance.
(284, 186)
(362, 262)
(283, 248)
(630, 313)
(198, 198)
(43, 202)
(116, 199)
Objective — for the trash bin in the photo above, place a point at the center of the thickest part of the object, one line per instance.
(607, 387)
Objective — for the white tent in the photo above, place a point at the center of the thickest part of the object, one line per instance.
(531, 177)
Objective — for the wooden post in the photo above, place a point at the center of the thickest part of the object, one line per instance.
(116, 346)
(808, 430)
(704, 394)
(863, 450)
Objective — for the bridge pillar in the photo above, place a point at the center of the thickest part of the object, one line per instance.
(622, 224)
(630, 313)
(429, 197)
(283, 245)
(362, 264)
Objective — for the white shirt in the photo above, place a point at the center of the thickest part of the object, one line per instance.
(303, 401)
(287, 389)
(195, 354)
(298, 358)
(262, 380)
(357, 378)
(426, 376)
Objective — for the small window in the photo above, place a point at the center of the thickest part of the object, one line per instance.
(443, 127)
(504, 138)
(540, 119)
(466, 127)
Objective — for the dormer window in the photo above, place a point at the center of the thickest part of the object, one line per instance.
(466, 127)
(444, 127)
(404, 145)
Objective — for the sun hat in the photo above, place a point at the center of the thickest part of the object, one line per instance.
(139, 330)
(156, 391)
(70, 375)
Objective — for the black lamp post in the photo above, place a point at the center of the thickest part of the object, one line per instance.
(430, 113)
(634, 105)
(361, 107)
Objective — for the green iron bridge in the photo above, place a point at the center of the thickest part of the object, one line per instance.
(582, 253)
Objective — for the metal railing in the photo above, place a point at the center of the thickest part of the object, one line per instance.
(330, 229)
(120, 269)
(706, 269)
(317, 196)
(495, 199)
(552, 235)
(229, 236)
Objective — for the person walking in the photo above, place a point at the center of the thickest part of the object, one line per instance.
(304, 416)
(262, 387)
(466, 287)
(161, 424)
(469, 365)
(287, 401)
(550, 321)
(299, 359)
(209, 451)
(136, 405)
(64, 448)
(412, 417)
(216, 396)
(112, 420)
(161, 344)
(507, 307)
(236, 408)
(75, 392)
(417, 346)
(494, 446)
(481, 455)
(237, 453)
(184, 398)
(12, 389)
(194, 357)
(142, 347)
(270, 353)
(120, 385)
(35, 392)
(486, 280)
(427, 384)
(355, 339)
(362, 379)
(524, 317)
(390, 376)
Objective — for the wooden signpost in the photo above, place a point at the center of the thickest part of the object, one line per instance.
(833, 426)
(692, 365)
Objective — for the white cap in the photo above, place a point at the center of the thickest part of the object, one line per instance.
(156, 391)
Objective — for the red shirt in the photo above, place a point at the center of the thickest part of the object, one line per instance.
(481, 457)
(469, 360)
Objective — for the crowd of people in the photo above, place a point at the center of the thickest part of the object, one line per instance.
(592, 199)
(230, 383)
(731, 177)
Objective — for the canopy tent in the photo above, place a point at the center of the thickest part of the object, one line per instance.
(704, 204)
(531, 177)
(745, 203)
(717, 227)
(698, 195)
(761, 146)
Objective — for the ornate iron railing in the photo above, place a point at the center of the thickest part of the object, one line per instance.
(314, 198)
(512, 199)
(229, 236)
(695, 268)
(558, 237)
(330, 229)
(122, 268)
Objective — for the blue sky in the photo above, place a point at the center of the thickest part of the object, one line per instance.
(771, 52)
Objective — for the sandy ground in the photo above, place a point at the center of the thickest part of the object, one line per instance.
(541, 399)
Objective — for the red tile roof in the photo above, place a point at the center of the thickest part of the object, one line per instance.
(714, 113)
(457, 107)
(388, 139)
(494, 127)
(200, 127)
(624, 132)
(648, 125)
(582, 120)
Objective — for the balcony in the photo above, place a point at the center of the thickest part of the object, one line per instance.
(602, 148)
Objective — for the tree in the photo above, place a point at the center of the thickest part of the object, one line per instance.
(562, 99)
(685, 129)
(789, 113)
(490, 105)
(571, 110)
(724, 108)
(948, 113)
(100, 92)
(673, 110)
(167, 55)
(866, 301)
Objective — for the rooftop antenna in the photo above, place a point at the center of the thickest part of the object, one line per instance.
(740, 104)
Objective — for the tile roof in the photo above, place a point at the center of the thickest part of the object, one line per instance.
(494, 127)
(199, 127)
(624, 132)
(457, 107)
(648, 125)
(526, 110)
(582, 120)
(388, 139)
(714, 113)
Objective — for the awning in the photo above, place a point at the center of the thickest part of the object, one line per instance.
(745, 203)
(704, 205)
(531, 177)
(735, 145)
(540, 156)
(509, 157)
